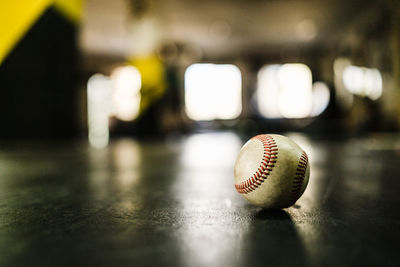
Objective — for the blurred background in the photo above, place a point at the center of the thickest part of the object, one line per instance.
(120, 122)
(101, 69)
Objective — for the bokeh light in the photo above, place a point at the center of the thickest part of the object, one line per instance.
(295, 100)
(213, 91)
(365, 82)
(268, 91)
(99, 90)
(126, 94)
(320, 98)
(285, 91)
(306, 30)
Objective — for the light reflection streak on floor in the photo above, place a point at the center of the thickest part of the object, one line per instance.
(204, 188)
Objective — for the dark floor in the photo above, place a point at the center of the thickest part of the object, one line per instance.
(173, 203)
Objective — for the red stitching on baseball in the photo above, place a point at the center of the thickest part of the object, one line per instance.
(268, 162)
(300, 175)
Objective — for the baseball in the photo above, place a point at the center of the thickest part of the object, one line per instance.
(271, 171)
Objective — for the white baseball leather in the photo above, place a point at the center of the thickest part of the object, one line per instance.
(271, 171)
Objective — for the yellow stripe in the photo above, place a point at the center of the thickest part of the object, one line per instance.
(72, 9)
(15, 19)
(17, 16)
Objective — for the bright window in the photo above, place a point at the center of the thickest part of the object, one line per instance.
(213, 91)
(126, 94)
(363, 81)
(286, 91)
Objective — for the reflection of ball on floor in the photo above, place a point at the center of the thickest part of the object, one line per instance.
(271, 171)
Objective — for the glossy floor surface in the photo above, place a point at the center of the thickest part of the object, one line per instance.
(172, 203)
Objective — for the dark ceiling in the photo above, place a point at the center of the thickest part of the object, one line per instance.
(221, 28)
